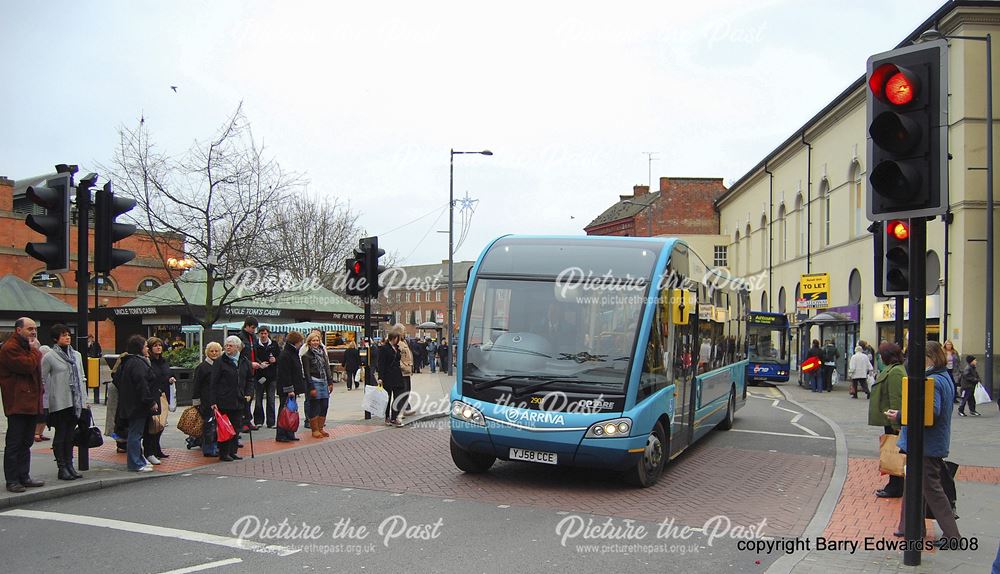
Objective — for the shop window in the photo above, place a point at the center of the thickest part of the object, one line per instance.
(147, 285)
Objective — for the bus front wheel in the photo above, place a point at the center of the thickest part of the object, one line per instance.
(470, 462)
(727, 423)
(649, 467)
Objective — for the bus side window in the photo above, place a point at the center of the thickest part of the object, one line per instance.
(654, 375)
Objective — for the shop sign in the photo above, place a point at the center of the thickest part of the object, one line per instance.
(815, 289)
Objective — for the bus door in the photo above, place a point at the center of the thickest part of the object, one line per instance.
(683, 328)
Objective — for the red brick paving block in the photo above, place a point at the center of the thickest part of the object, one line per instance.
(987, 474)
(745, 486)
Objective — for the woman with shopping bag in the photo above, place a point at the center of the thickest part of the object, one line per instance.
(391, 378)
(319, 382)
(887, 394)
(291, 382)
(200, 400)
(230, 384)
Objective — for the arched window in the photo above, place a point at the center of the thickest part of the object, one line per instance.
(736, 254)
(933, 272)
(858, 199)
(45, 279)
(107, 283)
(765, 305)
(824, 196)
(147, 284)
(749, 265)
(782, 234)
(854, 287)
(800, 227)
(798, 294)
(764, 235)
(781, 300)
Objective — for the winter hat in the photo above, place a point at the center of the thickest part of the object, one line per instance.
(970, 358)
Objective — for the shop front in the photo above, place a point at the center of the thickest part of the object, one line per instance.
(884, 313)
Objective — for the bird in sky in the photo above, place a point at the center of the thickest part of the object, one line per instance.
(174, 88)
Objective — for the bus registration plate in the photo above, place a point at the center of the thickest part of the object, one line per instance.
(533, 456)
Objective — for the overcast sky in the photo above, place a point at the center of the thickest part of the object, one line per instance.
(366, 99)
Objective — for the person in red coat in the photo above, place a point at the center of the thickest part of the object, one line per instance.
(21, 386)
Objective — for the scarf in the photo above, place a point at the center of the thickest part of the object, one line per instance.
(317, 356)
(67, 355)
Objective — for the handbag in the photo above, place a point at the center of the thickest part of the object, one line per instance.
(191, 422)
(981, 395)
(375, 401)
(224, 427)
(288, 420)
(87, 432)
(890, 460)
(158, 422)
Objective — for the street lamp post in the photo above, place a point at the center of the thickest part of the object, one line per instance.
(649, 220)
(933, 34)
(451, 249)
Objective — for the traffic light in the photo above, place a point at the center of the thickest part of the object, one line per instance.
(373, 269)
(907, 112)
(54, 225)
(107, 207)
(895, 270)
(356, 274)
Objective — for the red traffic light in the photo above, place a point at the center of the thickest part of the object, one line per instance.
(900, 230)
(895, 85)
(357, 267)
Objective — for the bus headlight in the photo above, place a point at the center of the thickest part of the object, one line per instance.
(610, 429)
(467, 413)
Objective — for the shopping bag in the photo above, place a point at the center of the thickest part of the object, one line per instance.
(359, 376)
(172, 404)
(158, 422)
(288, 420)
(87, 433)
(890, 460)
(982, 397)
(375, 401)
(191, 422)
(224, 428)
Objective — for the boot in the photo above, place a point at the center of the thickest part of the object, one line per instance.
(72, 471)
(63, 473)
(321, 424)
(314, 425)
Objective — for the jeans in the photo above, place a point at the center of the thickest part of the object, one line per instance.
(433, 363)
(265, 391)
(17, 449)
(136, 426)
(317, 408)
(828, 378)
(815, 381)
(968, 397)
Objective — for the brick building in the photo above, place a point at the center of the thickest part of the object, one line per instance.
(144, 273)
(682, 207)
(422, 295)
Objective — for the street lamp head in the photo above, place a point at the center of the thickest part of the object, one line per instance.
(486, 152)
(929, 35)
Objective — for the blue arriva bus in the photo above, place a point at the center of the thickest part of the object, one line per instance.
(588, 351)
(767, 347)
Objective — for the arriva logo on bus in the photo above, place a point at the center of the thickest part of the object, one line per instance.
(545, 417)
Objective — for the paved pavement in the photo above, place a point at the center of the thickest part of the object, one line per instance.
(107, 468)
(859, 514)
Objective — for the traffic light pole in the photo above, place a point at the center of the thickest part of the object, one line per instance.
(900, 314)
(913, 497)
(371, 349)
(83, 282)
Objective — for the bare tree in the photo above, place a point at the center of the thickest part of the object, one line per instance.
(314, 236)
(219, 197)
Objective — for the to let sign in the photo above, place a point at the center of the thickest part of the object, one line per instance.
(815, 291)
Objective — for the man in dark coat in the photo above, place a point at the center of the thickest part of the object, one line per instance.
(21, 386)
(248, 353)
(290, 380)
(266, 353)
(138, 398)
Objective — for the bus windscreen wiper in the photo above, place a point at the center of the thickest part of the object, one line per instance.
(528, 389)
(480, 383)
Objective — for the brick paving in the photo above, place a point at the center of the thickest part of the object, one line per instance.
(183, 459)
(859, 513)
(746, 486)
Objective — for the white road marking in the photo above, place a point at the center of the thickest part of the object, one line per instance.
(796, 418)
(207, 566)
(226, 541)
(808, 430)
(784, 434)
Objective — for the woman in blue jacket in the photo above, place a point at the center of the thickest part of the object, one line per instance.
(937, 441)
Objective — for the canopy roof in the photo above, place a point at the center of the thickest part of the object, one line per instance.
(193, 285)
(302, 327)
(19, 296)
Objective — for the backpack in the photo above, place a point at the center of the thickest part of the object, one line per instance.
(829, 354)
